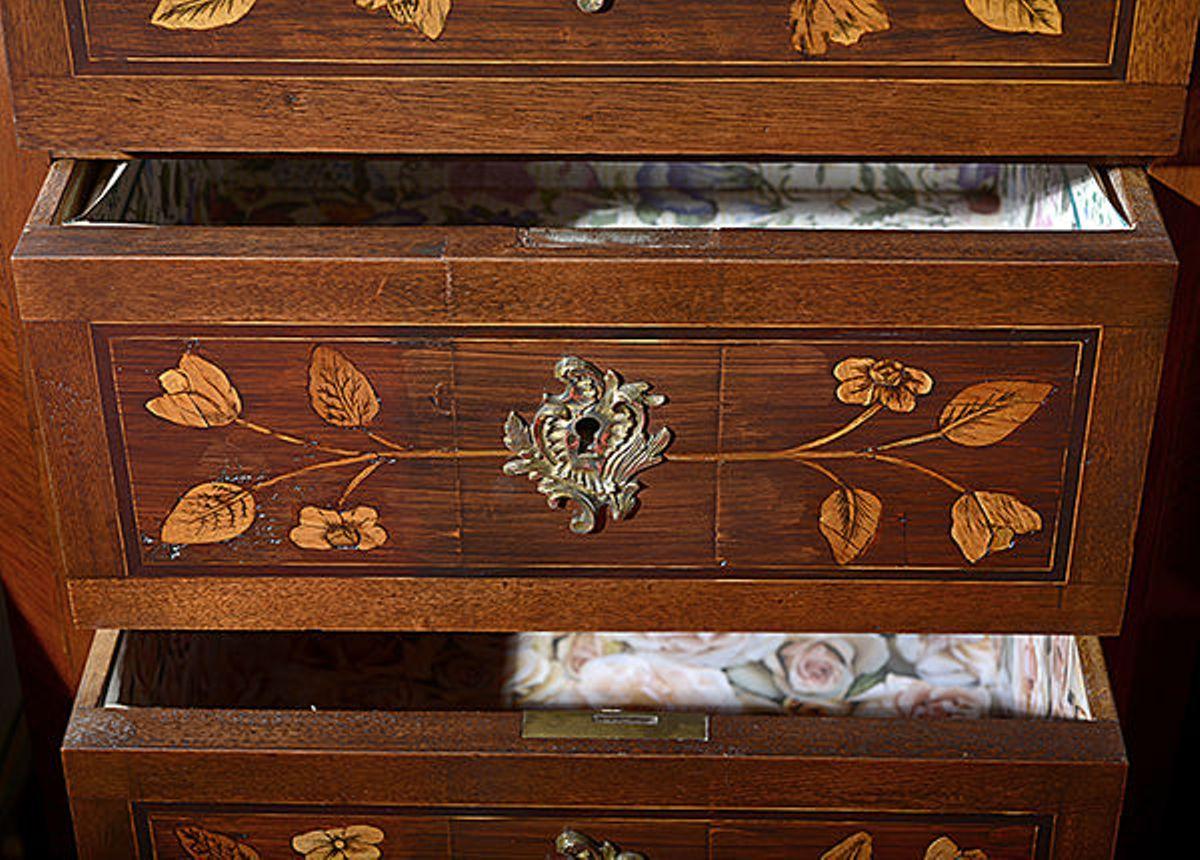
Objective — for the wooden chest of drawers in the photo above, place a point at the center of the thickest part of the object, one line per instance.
(319, 434)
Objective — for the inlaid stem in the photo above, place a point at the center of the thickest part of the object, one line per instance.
(357, 480)
(387, 443)
(911, 440)
(293, 440)
(328, 464)
(924, 470)
(828, 473)
(863, 417)
(396, 451)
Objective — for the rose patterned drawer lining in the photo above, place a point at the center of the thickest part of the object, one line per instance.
(603, 194)
(866, 675)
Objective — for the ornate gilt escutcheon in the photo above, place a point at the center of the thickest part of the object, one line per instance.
(586, 444)
(579, 846)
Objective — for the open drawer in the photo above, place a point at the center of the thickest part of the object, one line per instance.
(274, 744)
(869, 397)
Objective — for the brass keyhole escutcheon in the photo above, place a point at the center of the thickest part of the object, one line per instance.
(586, 444)
(579, 846)
(586, 429)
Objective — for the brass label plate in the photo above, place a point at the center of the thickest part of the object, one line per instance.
(615, 725)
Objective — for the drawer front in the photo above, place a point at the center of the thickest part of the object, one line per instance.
(855, 461)
(911, 453)
(184, 834)
(523, 33)
(640, 76)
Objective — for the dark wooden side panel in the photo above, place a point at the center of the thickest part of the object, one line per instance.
(103, 829)
(49, 653)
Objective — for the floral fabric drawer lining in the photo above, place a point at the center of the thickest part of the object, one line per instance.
(605, 194)
(867, 675)
(835, 675)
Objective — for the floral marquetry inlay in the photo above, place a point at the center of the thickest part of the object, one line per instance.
(427, 17)
(982, 522)
(860, 847)
(200, 844)
(199, 394)
(816, 23)
(357, 842)
(586, 445)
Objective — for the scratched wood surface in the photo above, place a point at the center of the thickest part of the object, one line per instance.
(467, 785)
(639, 79)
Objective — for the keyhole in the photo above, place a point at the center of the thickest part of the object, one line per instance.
(586, 429)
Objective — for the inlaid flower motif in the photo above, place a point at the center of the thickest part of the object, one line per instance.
(320, 528)
(196, 393)
(867, 381)
(339, 843)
